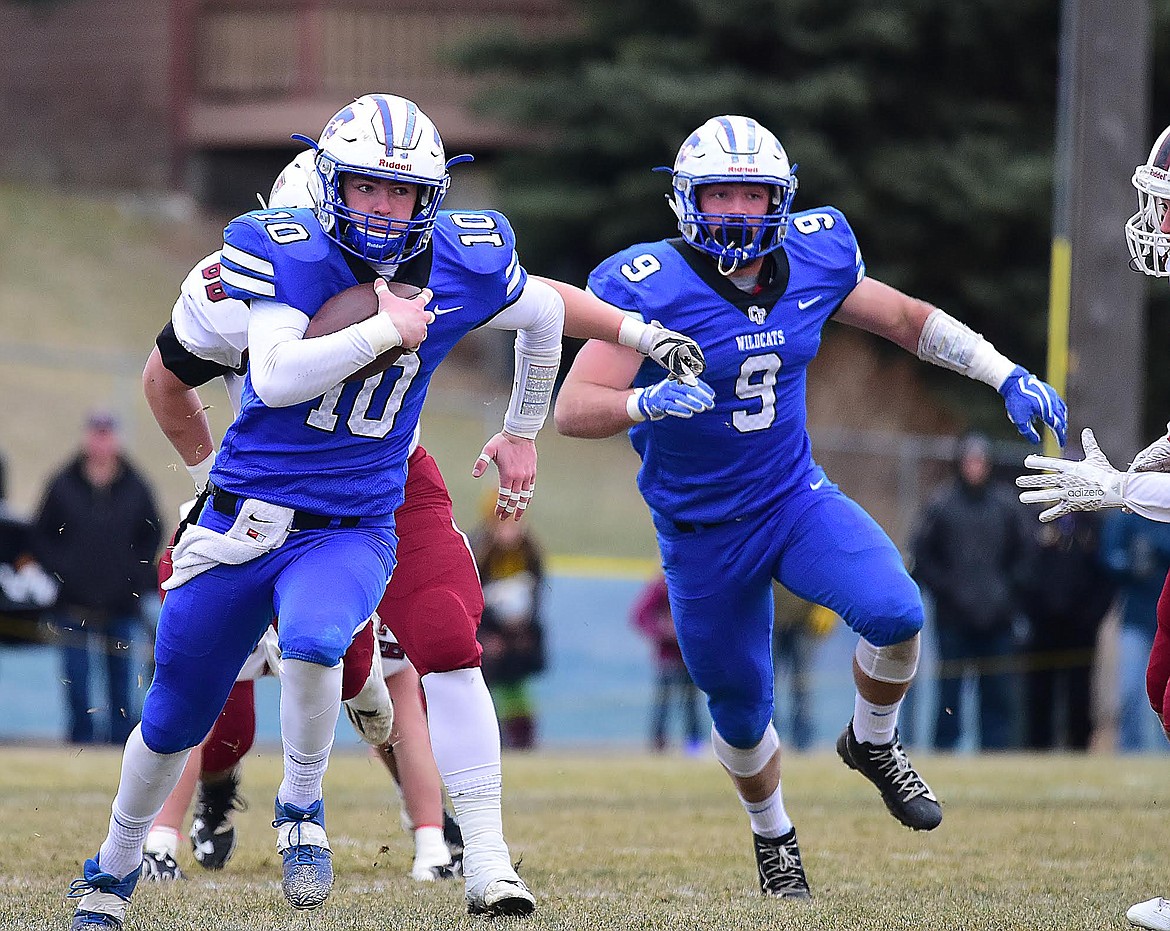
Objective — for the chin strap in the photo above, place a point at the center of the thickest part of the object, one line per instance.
(725, 272)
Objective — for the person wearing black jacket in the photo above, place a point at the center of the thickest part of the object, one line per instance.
(969, 552)
(97, 531)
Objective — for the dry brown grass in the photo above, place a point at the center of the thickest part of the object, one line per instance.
(630, 841)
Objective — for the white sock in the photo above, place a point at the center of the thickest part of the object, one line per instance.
(769, 817)
(310, 702)
(874, 724)
(465, 736)
(147, 779)
(163, 841)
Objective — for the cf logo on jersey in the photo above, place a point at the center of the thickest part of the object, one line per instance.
(757, 314)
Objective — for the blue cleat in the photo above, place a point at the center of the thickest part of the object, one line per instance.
(308, 861)
(103, 896)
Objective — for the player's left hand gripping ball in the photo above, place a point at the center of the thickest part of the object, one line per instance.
(1029, 399)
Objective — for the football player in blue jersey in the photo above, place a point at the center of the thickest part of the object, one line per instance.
(298, 519)
(727, 470)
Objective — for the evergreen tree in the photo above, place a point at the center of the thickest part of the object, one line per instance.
(929, 123)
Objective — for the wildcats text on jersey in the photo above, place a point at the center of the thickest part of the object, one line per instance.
(749, 342)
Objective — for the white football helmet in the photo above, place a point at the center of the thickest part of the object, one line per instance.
(1149, 247)
(732, 149)
(292, 185)
(382, 136)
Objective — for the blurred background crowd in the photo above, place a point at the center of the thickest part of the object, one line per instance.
(962, 141)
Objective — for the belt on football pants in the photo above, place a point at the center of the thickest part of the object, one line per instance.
(228, 504)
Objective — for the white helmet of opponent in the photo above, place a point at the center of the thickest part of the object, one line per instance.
(1149, 247)
(732, 149)
(383, 136)
(292, 187)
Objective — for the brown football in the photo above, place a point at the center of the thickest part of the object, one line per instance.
(350, 306)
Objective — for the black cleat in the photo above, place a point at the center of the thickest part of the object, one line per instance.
(213, 836)
(454, 840)
(906, 794)
(159, 866)
(778, 865)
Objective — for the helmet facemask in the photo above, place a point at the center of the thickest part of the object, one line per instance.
(1149, 247)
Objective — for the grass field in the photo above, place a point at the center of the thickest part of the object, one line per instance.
(628, 841)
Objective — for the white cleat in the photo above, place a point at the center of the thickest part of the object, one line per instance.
(505, 896)
(370, 710)
(1153, 914)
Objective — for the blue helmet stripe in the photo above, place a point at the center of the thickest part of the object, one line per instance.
(411, 111)
(727, 128)
(387, 123)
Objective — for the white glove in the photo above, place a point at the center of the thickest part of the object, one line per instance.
(678, 354)
(1088, 485)
(1155, 457)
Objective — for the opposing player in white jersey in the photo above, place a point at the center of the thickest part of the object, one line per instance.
(727, 468)
(1144, 488)
(380, 173)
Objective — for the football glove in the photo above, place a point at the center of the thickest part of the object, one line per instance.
(678, 354)
(1155, 457)
(1027, 398)
(1068, 486)
(673, 398)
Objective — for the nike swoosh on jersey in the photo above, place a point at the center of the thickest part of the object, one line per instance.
(817, 484)
(805, 305)
(439, 311)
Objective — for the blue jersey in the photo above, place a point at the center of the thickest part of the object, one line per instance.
(345, 453)
(753, 448)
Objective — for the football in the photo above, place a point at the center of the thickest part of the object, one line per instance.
(350, 306)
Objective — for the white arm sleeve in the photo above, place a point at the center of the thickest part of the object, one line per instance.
(1148, 494)
(953, 345)
(538, 316)
(287, 369)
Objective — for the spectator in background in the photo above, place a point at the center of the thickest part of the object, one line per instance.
(651, 616)
(1066, 594)
(97, 531)
(512, 635)
(798, 628)
(970, 546)
(1137, 552)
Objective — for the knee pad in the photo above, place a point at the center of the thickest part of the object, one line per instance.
(895, 663)
(745, 763)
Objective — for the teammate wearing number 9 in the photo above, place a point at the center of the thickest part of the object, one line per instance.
(735, 495)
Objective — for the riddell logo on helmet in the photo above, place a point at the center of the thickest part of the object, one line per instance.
(742, 169)
(394, 166)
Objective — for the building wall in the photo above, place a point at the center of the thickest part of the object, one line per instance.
(135, 93)
(84, 93)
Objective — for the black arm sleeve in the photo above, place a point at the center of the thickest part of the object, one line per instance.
(185, 365)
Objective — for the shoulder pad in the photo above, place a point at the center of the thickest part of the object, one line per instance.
(628, 279)
(275, 255)
(825, 233)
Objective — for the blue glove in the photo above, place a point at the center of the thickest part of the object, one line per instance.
(1027, 398)
(676, 399)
